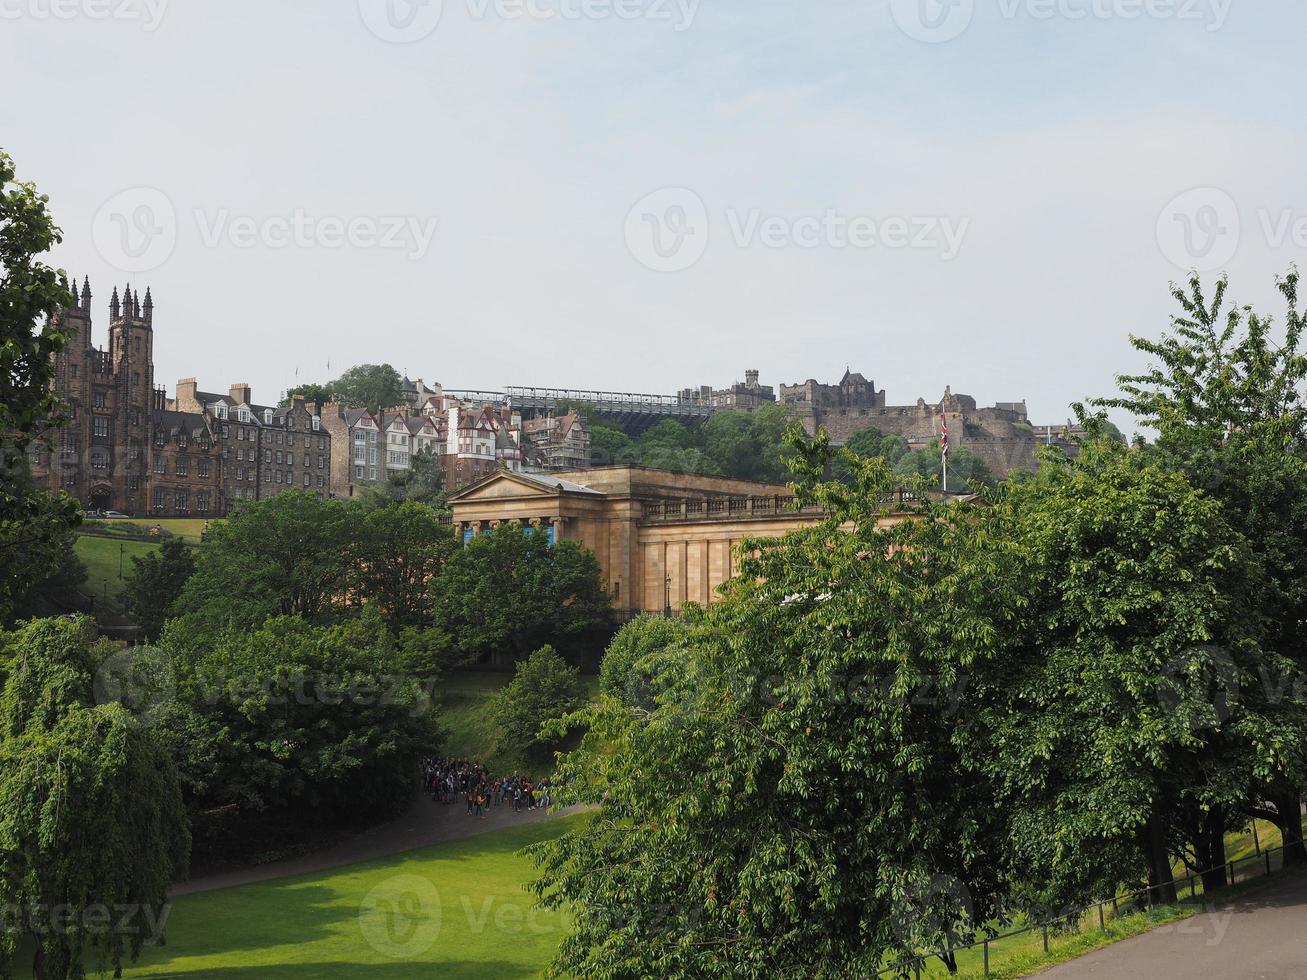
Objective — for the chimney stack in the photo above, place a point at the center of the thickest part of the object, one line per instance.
(240, 393)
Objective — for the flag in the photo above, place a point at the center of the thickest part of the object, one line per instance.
(943, 436)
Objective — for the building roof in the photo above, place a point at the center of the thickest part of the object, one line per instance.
(534, 481)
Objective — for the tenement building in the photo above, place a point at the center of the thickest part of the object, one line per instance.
(265, 449)
(122, 445)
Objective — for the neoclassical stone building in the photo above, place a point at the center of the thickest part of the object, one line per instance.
(662, 539)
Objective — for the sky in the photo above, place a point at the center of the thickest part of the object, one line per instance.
(646, 195)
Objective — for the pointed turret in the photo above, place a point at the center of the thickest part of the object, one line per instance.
(114, 309)
(86, 292)
(149, 306)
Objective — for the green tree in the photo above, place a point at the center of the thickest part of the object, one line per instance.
(322, 721)
(91, 814)
(31, 294)
(35, 526)
(314, 393)
(369, 386)
(400, 551)
(965, 468)
(1225, 397)
(545, 687)
(1128, 719)
(157, 580)
(511, 591)
(869, 443)
(423, 482)
(40, 573)
(290, 555)
(624, 674)
(802, 799)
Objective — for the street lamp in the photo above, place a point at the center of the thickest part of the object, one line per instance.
(667, 596)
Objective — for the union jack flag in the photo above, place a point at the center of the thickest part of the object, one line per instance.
(943, 436)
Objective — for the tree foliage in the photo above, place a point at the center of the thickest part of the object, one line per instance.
(801, 798)
(1224, 394)
(285, 556)
(324, 720)
(511, 590)
(625, 674)
(544, 687)
(372, 386)
(157, 580)
(35, 526)
(91, 815)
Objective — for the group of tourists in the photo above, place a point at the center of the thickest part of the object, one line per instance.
(450, 781)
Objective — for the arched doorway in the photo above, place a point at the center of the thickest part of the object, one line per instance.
(101, 498)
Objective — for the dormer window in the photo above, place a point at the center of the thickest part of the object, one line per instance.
(267, 416)
(316, 423)
(220, 411)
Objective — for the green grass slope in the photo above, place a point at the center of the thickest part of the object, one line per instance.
(452, 910)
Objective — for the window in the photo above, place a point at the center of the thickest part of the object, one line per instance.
(133, 483)
(322, 443)
(183, 440)
(205, 444)
(183, 466)
(358, 472)
(267, 416)
(320, 483)
(183, 500)
(99, 459)
(307, 464)
(279, 476)
(306, 479)
(158, 464)
(101, 426)
(322, 462)
(158, 498)
(267, 455)
(203, 468)
(308, 442)
(202, 502)
(220, 411)
(99, 400)
(134, 418)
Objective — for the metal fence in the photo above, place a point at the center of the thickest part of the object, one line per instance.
(1259, 865)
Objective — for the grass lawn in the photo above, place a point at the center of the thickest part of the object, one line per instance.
(187, 528)
(452, 910)
(101, 557)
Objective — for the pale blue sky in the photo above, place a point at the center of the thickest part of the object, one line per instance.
(1053, 146)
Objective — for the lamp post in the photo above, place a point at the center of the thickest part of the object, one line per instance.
(121, 546)
(667, 596)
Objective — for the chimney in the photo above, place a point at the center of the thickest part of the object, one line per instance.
(186, 399)
(240, 393)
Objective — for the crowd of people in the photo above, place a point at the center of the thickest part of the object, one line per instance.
(450, 781)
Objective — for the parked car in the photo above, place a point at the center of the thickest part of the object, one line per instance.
(114, 514)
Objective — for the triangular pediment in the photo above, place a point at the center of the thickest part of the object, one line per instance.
(504, 484)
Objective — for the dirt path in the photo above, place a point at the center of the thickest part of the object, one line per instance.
(1259, 936)
(424, 823)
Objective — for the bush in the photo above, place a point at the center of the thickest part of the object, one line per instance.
(545, 687)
